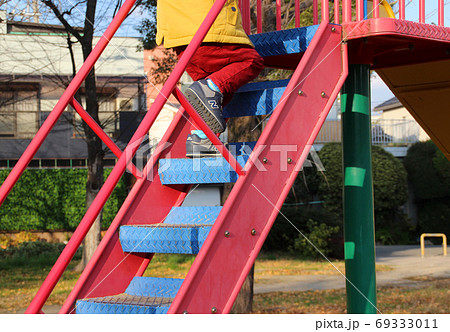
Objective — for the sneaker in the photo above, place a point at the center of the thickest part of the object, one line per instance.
(208, 104)
(198, 145)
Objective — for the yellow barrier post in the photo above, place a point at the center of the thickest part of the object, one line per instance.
(444, 242)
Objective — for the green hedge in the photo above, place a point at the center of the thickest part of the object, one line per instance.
(52, 199)
(389, 189)
(293, 224)
(429, 175)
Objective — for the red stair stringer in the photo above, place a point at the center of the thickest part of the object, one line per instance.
(110, 270)
(223, 262)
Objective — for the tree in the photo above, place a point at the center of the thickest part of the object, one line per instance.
(429, 176)
(94, 143)
(389, 188)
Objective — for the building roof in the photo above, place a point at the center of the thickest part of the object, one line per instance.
(388, 105)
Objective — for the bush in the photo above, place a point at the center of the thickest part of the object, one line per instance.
(52, 200)
(428, 171)
(313, 222)
(389, 188)
(429, 175)
(315, 243)
(36, 253)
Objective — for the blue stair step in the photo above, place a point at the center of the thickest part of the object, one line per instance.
(284, 42)
(198, 170)
(183, 232)
(252, 99)
(143, 296)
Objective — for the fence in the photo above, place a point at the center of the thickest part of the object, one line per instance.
(384, 132)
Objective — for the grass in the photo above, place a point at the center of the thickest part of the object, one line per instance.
(20, 284)
(20, 279)
(431, 297)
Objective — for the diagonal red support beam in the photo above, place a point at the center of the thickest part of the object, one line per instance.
(208, 132)
(103, 136)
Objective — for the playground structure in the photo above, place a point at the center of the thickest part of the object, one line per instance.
(328, 57)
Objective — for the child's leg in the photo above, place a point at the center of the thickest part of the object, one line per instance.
(242, 64)
(229, 66)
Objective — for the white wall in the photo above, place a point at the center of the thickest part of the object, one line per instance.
(401, 113)
(49, 55)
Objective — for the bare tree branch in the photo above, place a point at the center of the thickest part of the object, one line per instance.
(60, 17)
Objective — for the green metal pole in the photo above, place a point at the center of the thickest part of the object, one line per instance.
(359, 234)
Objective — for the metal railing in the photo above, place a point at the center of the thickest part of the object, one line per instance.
(444, 242)
(341, 12)
(393, 132)
(384, 132)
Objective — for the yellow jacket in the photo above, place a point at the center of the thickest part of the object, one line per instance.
(179, 20)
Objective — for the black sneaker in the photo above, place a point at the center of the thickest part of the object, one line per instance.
(208, 104)
(198, 145)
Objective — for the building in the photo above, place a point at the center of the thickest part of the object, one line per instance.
(36, 66)
(397, 122)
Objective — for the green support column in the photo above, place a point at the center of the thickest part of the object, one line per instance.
(359, 234)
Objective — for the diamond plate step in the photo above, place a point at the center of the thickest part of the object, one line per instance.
(168, 239)
(143, 296)
(198, 170)
(256, 99)
(183, 232)
(283, 42)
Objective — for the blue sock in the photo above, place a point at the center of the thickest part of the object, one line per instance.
(212, 85)
(199, 133)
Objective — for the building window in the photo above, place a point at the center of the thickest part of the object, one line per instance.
(108, 115)
(19, 111)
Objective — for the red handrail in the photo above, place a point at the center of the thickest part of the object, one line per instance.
(112, 180)
(315, 12)
(441, 13)
(422, 11)
(376, 8)
(259, 16)
(325, 11)
(336, 11)
(401, 9)
(278, 4)
(359, 10)
(297, 13)
(103, 136)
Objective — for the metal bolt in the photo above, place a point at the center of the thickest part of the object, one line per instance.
(265, 160)
(213, 310)
(333, 29)
(323, 94)
(227, 233)
(289, 160)
(300, 92)
(253, 232)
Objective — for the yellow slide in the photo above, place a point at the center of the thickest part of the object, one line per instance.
(385, 9)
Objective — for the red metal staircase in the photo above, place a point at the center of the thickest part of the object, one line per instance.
(225, 239)
(243, 223)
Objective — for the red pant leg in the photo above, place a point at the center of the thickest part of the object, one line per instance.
(229, 66)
